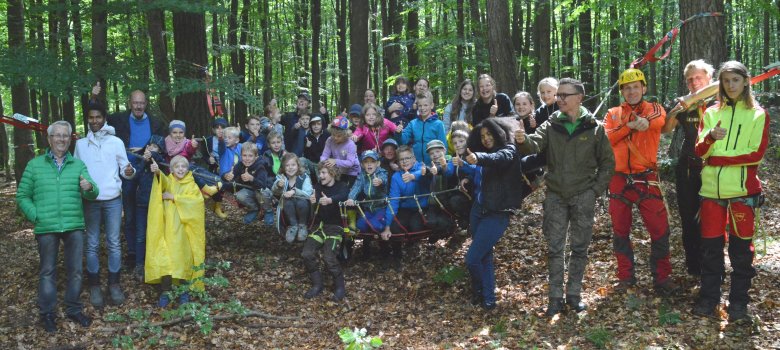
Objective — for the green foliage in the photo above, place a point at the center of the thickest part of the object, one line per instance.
(599, 336)
(115, 317)
(499, 329)
(668, 317)
(356, 339)
(450, 275)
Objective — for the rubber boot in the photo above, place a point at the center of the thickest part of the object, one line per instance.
(339, 290)
(210, 190)
(352, 220)
(316, 285)
(115, 293)
(95, 292)
(218, 210)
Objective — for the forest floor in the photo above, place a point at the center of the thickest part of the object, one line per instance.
(410, 309)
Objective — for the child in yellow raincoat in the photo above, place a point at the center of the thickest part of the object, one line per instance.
(176, 234)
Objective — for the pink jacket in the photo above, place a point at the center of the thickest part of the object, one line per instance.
(368, 139)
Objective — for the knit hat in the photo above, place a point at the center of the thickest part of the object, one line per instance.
(356, 109)
(433, 144)
(390, 142)
(177, 124)
(219, 122)
(369, 154)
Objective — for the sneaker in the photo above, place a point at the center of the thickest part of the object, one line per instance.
(292, 231)
(667, 288)
(49, 323)
(554, 307)
(302, 233)
(184, 298)
(705, 309)
(574, 302)
(250, 217)
(81, 319)
(738, 313)
(164, 301)
(268, 218)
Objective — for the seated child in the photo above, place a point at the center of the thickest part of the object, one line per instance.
(294, 188)
(439, 216)
(249, 172)
(215, 144)
(402, 215)
(176, 239)
(374, 129)
(424, 128)
(327, 233)
(370, 185)
(459, 202)
(340, 151)
(524, 110)
(273, 163)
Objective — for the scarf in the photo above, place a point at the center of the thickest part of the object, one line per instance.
(174, 148)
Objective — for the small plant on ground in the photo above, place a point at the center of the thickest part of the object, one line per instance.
(450, 275)
(599, 336)
(357, 339)
(666, 316)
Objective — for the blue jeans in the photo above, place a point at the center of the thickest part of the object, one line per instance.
(248, 198)
(108, 213)
(48, 248)
(141, 214)
(129, 189)
(374, 222)
(486, 229)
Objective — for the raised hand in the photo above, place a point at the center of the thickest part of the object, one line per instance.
(532, 121)
(457, 161)
(442, 162)
(96, 90)
(717, 132)
(407, 176)
(494, 108)
(434, 169)
(147, 154)
(84, 184)
(129, 170)
(246, 176)
(312, 198)
(154, 168)
(308, 142)
(354, 138)
(229, 176)
(400, 127)
(520, 136)
(325, 200)
(376, 181)
(471, 158)
(194, 142)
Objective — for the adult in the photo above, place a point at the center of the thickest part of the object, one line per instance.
(106, 160)
(490, 102)
(497, 169)
(634, 130)
(733, 139)
(580, 163)
(50, 195)
(698, 74)
(135, 128)
(460, 107)
(369, 96)
(291, 123)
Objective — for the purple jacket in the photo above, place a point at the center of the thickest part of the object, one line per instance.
(345, 155)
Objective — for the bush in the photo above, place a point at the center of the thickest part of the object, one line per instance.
(356, 339)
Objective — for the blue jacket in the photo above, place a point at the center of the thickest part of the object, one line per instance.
(405, 114)
(418, 133)
(144, 176)
(227, 159)
(260, 140)
(399, 188)
(364, 189)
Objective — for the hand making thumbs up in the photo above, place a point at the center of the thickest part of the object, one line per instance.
(129, 170)
(471, 158)
(717, 132)
(154, 167)
(520, 136)
(246, 177)
(194, 142)
(434, 168)
(376, 181)
(84, 184)
(229, 175)
(325, 200)
(494, 108)
(95, 91)
(407, 176)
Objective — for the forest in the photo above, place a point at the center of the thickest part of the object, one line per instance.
(186, 53)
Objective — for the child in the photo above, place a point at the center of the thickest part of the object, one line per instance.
(399, 106)
(546, 89)
(274, 118)
(340, 151)
(439, 217)
(299, 135)
(215, 144)
(460, 107)
(490, 102)
(388, 160)
(456, 125)
(370, 185)
(460, 202)
(254, 133)
(315, 140)
(293, 187)
(176, 239)
(374, 129)
(424, 128)
(273, 163)
(524, 110)
(355, 117)
(327, 234)
(177, 144)
(402, 214)
(250, 172)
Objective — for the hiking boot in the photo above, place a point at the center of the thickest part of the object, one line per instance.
(625, 285)
(218, 210)
(184, 298)
(115, 293)
(81, 319)
(667, 288)
(164, 300)
(738, 313)
(250, 217)
(476, 298)
(554, 307)
(574, 302)
(95, 292)
(339, 289)
(316, 285)
(138, 273)
(488, 306)
(49, 322)
(302, 233)
(705, 309)
(292, 231)
(268, 218)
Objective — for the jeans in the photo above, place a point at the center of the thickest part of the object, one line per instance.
(373, 222)
(141, 214)
(248, 198)
(296, 211)
(129, 189)
(486, 229)
(48, 248)
(108, 213)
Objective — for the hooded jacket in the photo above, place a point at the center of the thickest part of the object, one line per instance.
(105, 157)
(364, 185)
(419, 132)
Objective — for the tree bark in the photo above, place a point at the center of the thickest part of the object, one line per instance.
(542, 39)
(412, 36)
(341, 47)
(268, 92)
(586, 54)
(359, 65)
(4, 154)
(68, 110)
(502, 59)
(155, 21)
(460, 50)
(712, 50)
(478, 33)
(391, 21)
(189, 36)
(316, 27)
(236, 35)
(100, 46)
(20, 98)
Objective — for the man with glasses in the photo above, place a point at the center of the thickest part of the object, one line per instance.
(634, 130)
(50, 195)
(580, 163)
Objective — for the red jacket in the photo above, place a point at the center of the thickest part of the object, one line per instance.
(635, 151)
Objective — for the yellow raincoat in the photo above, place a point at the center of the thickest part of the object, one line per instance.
(175, 233)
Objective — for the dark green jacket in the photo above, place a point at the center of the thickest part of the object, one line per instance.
(52, 199)
(578, 162)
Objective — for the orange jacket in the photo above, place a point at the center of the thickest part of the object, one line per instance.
(635, 151)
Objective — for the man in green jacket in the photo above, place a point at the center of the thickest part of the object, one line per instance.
(50, 196)
(580, 165)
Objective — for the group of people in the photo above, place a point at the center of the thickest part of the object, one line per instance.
(394, 170)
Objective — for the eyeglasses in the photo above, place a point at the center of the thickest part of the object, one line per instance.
(59, 136)
(406, 159)
(563, 96)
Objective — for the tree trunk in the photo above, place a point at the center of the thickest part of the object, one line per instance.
(78, 43)
(68, 110)
(20, 98)
(502, 59)
(478, 33)
(391, 21)
(712, 50)
(517, 27)
(4, 154)
(268, 92)
(460, 50)
(652, 81)
(237, 57)
(155, 20)
(586, 55)
(542, 39)
(767, 44)
(54, 104)
(614, 58)
(189, 37)
(341, 47)
(316, 27)
(412, 35)
(358, 53)
(100, 46)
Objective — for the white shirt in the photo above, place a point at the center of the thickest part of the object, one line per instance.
(106, 158)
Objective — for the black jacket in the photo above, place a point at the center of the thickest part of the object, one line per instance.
(257, 169)
(329, 214)
(121, 123)
(314, 152)
(481, 110)
(502, 185)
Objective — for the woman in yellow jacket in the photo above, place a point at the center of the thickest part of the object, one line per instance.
(733, 138)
